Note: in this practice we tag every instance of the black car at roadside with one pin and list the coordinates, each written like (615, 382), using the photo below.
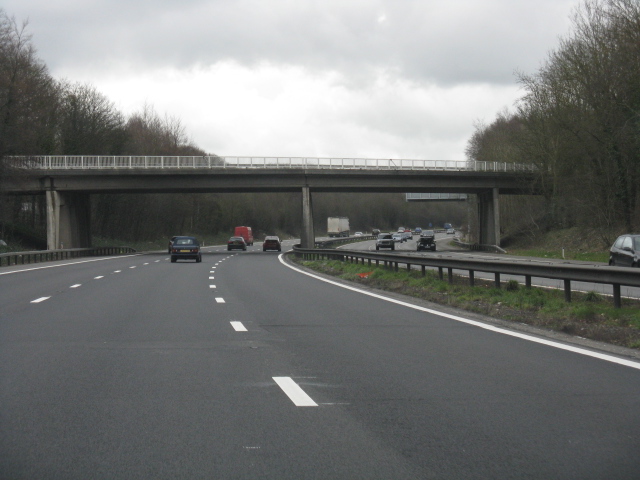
(426, 241)
(625, 251)
(185, 248)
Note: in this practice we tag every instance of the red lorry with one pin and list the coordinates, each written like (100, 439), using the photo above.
(244, 232)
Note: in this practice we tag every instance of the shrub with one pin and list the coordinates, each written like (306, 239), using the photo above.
(512, 286)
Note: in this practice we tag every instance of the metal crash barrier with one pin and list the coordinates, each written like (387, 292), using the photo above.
(566, 272)
(24, 258)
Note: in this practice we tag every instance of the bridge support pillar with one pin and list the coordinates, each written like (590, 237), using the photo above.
(489, 217)
(308, 238)
(68, 220)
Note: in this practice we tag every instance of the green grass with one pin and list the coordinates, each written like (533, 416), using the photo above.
(568, 254)
(588, 315)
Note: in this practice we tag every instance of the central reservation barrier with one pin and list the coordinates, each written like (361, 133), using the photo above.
(614, 276)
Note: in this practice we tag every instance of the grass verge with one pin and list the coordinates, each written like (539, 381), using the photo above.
(589, 315)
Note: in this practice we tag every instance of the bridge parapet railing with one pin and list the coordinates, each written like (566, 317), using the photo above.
(567, 272)
(90, 162)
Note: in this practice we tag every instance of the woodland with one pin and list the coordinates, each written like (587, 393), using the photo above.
(577, 122)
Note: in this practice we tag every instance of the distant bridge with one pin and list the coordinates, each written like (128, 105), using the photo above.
(68, 182)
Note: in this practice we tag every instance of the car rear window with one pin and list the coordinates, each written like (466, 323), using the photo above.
(184, 241)
(384, 236)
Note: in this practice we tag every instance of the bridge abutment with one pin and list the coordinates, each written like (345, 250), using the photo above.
(68, 220)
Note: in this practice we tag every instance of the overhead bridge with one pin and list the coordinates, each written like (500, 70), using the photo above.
(68, 182)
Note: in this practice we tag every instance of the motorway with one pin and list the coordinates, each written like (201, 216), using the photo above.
(242, 367)
(445, 249)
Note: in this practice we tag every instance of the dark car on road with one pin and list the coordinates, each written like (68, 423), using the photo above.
(385, 240)
(236, 243)
(271, 242)
(185, 248)
(625, 251)
(427, 241)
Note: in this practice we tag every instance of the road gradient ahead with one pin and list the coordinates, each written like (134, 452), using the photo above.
(242, 367)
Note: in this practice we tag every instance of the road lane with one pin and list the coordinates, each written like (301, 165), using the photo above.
(141, 374)
(445, 250)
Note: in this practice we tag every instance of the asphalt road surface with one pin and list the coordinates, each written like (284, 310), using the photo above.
(242, 367)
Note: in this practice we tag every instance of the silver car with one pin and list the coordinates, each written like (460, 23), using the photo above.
(385, 240)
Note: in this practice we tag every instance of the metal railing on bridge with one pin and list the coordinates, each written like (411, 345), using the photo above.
(55, 162)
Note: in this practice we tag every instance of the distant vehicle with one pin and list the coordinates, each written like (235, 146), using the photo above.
(236, 243)
(338, 226)
(625, 251)
(406, 236)
(417, 231)
(451, 231)
(427, 241)
(400, 229)
(397, 237)
(385, 240)
(358, 234)
(185, 248)
(447, 226)
(375, 231)
(271, 242)
(245, 233)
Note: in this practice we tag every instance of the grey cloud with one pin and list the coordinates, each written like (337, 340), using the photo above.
(444, 42)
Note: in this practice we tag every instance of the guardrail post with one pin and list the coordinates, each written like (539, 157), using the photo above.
(567, 291)
(497, 280)
(440, 273)
(408, 267)
(472, 279)
(527, 281)
(617, 301)
(450, 274)
(396, 266)
(424, 270)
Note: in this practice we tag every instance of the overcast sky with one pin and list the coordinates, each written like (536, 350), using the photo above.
(329, 78)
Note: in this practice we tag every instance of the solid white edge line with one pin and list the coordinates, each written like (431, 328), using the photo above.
(238, 327)
(294, 392)
(486, 326)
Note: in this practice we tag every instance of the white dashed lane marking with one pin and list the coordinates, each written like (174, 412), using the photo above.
(212, 286)
(220, 300)
(294, 392)
(238, 327)
(76, 285)
(98, 277)
(41, 299)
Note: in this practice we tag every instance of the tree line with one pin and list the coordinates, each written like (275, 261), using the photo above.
(40, 115)
(578, 122)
